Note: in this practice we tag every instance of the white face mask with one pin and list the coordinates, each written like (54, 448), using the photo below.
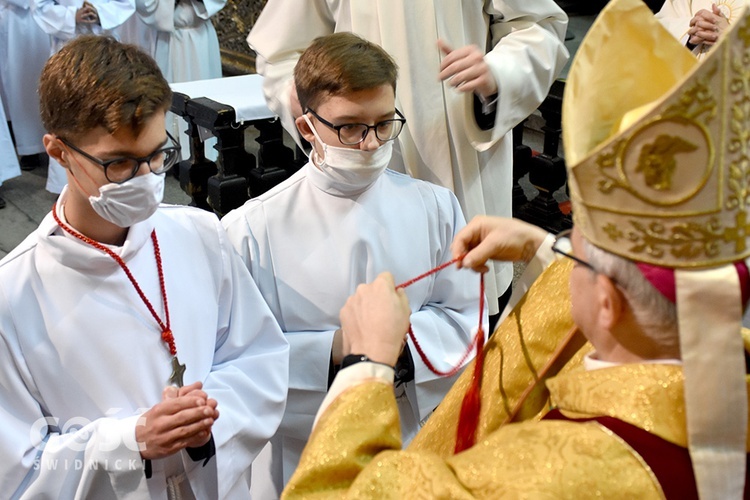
(131, 202)
(352, 167)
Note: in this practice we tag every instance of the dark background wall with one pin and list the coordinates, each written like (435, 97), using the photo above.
(232, 24)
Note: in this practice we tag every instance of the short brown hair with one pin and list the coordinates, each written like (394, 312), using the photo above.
(96, 81)
(339, 64)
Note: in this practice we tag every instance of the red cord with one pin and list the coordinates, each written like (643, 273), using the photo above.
(468, 419)
(166, 331)
(474, 342)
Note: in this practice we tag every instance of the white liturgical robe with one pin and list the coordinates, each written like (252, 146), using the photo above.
(675, 16)
(442, 142)
(9, 167)
(179, 36)
(24, 48)
(81, 353)
(58, 18)
(310, 241)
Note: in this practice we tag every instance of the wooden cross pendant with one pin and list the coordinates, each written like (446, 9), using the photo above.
(178, 370)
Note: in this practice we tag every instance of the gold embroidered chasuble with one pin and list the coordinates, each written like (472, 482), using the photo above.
(516, 356)
(355, 449)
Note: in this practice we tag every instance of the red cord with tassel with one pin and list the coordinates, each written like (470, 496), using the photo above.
(468, 419)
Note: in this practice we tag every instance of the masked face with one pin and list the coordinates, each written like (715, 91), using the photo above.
(130, 202)
(355, 168)
(92, 167)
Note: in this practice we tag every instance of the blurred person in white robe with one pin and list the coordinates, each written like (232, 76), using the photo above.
(179, 35)
(9, 166)
(698, 24)
(24, 48)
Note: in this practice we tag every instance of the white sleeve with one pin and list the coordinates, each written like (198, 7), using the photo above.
(309, 350)
(56, 20)
(527, 56)
(675, 16)
(112, 13)
(279, 43)
(45, 458)
(249, 377)
(446, 323)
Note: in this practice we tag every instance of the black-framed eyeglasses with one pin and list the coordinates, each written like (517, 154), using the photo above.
(564, 246)
(351, 134)
(123, 169)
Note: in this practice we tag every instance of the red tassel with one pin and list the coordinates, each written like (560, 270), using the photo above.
(468, 419)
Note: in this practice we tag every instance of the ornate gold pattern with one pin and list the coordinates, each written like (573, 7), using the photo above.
(744, 34)
(654, 400)
(696, 104)
(354, 450)
(657, 162)
(689, 240)
(739, 126)
(607, 160)
(696, 100)
(514, 354)
(677, 183)
(628, 159)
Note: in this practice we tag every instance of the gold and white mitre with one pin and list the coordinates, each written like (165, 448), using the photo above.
(658, 152)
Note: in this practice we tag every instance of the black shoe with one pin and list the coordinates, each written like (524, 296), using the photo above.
(2, 202)
(30, 162)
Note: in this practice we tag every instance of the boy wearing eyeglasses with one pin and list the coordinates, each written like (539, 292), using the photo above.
(338, 222)
(138, 358)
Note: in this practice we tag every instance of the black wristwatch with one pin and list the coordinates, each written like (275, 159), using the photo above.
(353, 359)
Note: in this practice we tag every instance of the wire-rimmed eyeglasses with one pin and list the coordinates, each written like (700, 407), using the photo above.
(123, 169)
(563, 246)
(351, 134)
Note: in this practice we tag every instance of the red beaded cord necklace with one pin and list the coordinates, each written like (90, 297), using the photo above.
(166, 332)
(468, 419)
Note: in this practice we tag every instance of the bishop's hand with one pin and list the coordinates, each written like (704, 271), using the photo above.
(496, 238)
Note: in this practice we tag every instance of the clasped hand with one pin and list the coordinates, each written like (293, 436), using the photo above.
(87, 14)
(706, 26)
(183, 419)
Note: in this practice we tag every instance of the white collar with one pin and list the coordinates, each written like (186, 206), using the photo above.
(590, 362)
